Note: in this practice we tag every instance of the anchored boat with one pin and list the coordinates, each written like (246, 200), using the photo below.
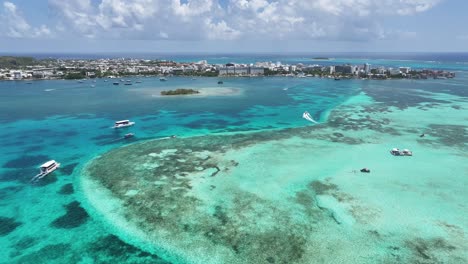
(397, 152)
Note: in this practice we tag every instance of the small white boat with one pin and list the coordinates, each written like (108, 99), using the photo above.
(123, 123)
(406, 152)
(395, 152)
(129, 135)
(46, 168)
(162, 79)
(308, 117)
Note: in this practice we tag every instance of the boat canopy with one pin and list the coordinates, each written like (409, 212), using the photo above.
(122, 122)
(48, 164)
(395, 149)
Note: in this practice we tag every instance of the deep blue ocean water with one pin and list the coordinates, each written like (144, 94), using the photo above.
(70, 122)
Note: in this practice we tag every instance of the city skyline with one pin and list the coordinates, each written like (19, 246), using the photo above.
(232, 26)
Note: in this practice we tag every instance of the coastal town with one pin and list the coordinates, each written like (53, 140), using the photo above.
(27, 68)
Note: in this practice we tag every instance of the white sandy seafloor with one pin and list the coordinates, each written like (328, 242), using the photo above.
(407, 210)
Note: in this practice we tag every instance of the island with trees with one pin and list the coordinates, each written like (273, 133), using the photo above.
(180, 92)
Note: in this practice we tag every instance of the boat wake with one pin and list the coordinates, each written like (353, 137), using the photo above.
(308, 117)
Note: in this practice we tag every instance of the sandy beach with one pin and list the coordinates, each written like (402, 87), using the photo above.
(203, 92)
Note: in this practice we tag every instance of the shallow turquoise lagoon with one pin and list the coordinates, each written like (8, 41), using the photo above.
(304, 170)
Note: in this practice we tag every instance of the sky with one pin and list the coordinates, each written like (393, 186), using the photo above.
(233, 26)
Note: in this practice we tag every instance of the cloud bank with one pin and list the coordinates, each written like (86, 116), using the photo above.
(350, 20)
(14, 25)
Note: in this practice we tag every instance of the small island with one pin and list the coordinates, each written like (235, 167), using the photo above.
(180, 92)
(320, 58)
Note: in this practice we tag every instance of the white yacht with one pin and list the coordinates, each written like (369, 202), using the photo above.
(46, 168)
(123, 123)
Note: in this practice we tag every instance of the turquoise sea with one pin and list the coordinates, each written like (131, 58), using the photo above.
(246, 180)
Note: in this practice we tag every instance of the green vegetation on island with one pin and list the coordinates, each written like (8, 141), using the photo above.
(16, 62)
(180, 92)
(320, 58)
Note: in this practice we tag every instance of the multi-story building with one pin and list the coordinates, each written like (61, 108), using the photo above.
(405, 70)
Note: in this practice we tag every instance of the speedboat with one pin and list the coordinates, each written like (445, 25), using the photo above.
(406, 152)
(220, 82)
(365, 170)
(116, 83)
(162, 79)
(395, 152)
(123, 123)
(129, 135)
(46, 168)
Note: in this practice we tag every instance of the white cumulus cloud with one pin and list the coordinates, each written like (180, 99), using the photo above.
(234, 19)
(14, 25)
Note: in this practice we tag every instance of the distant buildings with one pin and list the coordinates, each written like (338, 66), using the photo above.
(81, 68)
(231, 69)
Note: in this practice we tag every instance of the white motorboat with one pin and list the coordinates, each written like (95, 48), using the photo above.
(123, 123)
(395, 152)
(46, 168)
(406, 152)
(306, 115)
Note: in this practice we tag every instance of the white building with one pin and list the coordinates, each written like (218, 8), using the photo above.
(256, 70)
(405, 69)
(367, 68)
(16, 75)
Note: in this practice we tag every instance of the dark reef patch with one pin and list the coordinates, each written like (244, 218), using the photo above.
(23, 244)
(208, 124)
(69, 168)
(106, 137)
(8, 225)
(401, 97)
(111, 248)
(323, 188)
(4, 192)
(449, 135)
(34, 148)
(151, 118)
(74, 217)
(20, 175)
(46, 254)
(26, 161)
(69, 133)
(67, 189)
(283, 123)
(431, 251)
